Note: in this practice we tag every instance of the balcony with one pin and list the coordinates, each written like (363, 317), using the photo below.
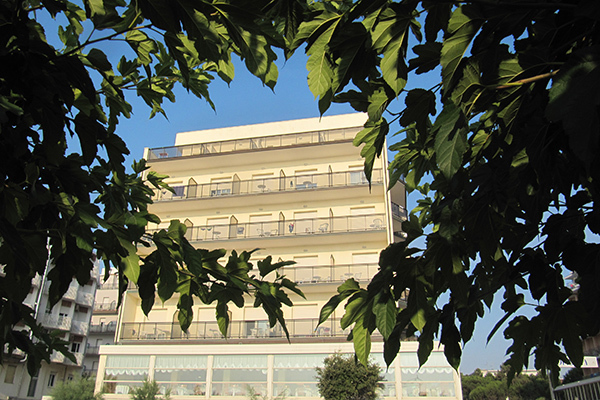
(103, 328)
(57, 322)
(57, 357)
(329, 273)
(253, 144)
(270, 185)
(251, 330)
(80, 327)
(286, 228)
(106, 307)
(78, 360)
(71, 293)
(85, 299)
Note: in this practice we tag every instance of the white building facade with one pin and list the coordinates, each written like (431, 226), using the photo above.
(71, 318)
(296, 190)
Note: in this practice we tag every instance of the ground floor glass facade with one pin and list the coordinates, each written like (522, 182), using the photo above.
(282, 372)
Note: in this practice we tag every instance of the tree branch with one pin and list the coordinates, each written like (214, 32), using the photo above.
(525, 81)
(109, 37)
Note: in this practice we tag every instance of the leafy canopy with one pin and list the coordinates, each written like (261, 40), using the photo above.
(73, 204)
(343, 377)
(78, 389)
(503, 150)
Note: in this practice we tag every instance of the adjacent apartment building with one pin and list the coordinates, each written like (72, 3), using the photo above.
(296, 190)
(71, 317)
(104, 322)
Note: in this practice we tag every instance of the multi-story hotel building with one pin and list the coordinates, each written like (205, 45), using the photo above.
(71, 317)
(296, 190)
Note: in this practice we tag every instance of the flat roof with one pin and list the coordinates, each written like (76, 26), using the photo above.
(271, 128)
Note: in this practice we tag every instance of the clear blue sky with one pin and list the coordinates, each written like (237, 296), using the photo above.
(247, 101)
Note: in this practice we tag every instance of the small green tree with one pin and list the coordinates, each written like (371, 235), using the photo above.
(148, 391)
(79, 389)
(344, 378)
(573, 375)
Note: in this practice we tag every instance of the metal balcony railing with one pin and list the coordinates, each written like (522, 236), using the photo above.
(584, 389)
(112, 306)
(104, 328)
(297, 328)
(329, 273)
(269, 185)
(109, 285)
(399, 212)
(286, 228)
(277, 141)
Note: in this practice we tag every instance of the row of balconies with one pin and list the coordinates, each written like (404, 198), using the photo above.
(105, 307)
(329, 273)
(269, 185)
(76, 294)
(65, 323)
(286, 228)
(103, 328)
(272, 142)
(297, 328)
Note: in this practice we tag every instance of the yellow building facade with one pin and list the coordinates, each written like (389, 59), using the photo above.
(296, 190)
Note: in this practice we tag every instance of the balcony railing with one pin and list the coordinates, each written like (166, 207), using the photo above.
(329, 273)
(104, 328)
(109, 285)
(229, 146)
(60, 322)
(112, 306)
(269, 185)
(399, 212)
(584, 389)
(297, 328)
(85, 299)
(286, 228)
(80, 327)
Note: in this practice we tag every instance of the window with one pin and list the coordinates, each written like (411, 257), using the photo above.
(66, 304)
(83, 310)
(51, 379)
(9, 377)
(75, 347)
(232, 374)
(294, 374)
(183, 374)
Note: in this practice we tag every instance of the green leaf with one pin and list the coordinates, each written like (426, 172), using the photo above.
(462, 28)
(385, 316)
(130, 264)
(362, 341)
(428, 57)
(142, 45)
(222, 312)
(450, 140)
(574, 98)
